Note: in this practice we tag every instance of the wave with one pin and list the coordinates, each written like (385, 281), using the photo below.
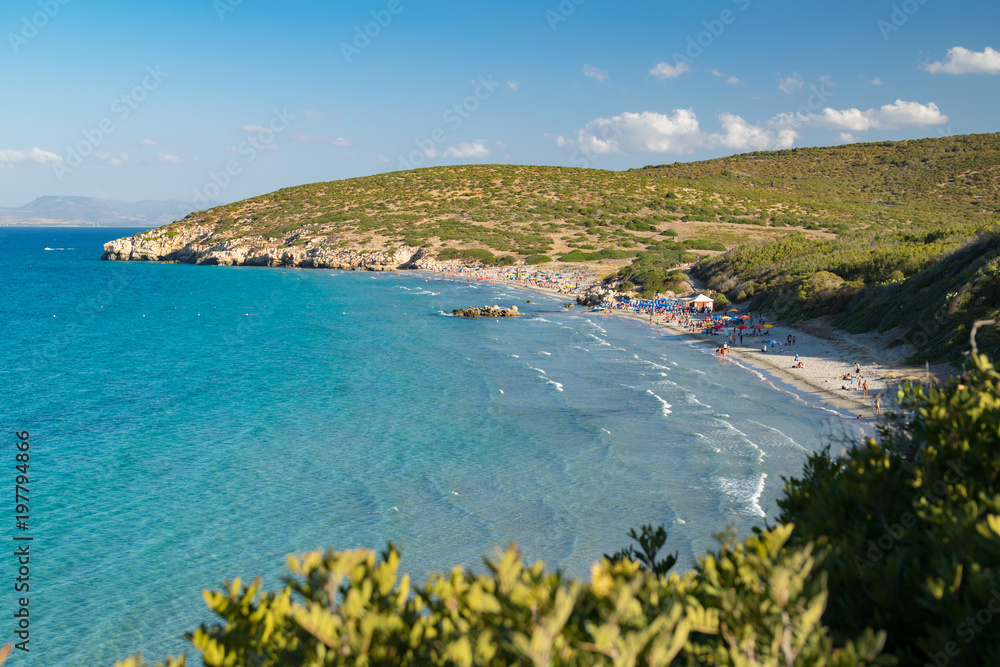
(747, 492)
(558, 385)
(664, 406)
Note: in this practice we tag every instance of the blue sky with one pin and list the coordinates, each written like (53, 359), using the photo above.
(227, 99)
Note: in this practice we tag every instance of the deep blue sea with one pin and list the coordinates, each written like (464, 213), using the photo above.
(192, 424)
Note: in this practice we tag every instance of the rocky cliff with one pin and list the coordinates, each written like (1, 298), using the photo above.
(199, 245)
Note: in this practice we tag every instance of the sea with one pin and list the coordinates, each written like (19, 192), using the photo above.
(192, 424)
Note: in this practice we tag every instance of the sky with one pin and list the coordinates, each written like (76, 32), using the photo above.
(220, 100)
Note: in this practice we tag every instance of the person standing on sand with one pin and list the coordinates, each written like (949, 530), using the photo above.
(878, 404)
(864, 387)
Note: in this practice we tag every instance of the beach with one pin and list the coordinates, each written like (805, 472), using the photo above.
(828, 355)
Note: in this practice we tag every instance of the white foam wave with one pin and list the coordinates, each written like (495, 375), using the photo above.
(600, 340)
(664, 406)
(548, 354)
(746, 492)
(747, 438)
(558, 385)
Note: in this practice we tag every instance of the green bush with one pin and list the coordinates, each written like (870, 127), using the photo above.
(532, 260)
(751, 604)
(908, 529)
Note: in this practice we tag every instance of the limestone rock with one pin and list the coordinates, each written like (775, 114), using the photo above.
(488, 311)
(198, 245)
(596, 294)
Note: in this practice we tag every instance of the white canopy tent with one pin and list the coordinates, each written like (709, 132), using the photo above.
(703, 303)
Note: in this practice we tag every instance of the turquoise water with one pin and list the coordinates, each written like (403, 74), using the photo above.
(192, 424)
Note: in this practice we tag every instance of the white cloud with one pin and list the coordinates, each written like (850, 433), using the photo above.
(667, 71)
(645, 132)
(255, 128)
(741, 135)
(145, 143)
(169, 158)
(888, 117)
(312, 113)
(651, 132)
(963, 61)
(113, 160)
(477, 149)
(732, 80)
(876, 81)
(310, 138)
(790, 84)
(384, 160)
(513, 85)
(595, 73)
(8, 158)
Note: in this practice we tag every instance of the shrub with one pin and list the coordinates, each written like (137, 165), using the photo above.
(907, 529)
(532, 260)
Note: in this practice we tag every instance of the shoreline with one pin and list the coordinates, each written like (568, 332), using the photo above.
(826, 358)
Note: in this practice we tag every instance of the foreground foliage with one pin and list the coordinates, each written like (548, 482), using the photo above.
(909, 529)
(755, 603)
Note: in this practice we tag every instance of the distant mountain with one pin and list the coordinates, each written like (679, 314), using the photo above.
(52, 211)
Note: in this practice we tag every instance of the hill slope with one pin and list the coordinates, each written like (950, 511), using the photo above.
(808, 231)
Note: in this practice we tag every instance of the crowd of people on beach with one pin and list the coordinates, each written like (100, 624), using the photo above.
(736, 328)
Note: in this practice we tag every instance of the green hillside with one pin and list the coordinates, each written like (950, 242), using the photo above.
(810, 231)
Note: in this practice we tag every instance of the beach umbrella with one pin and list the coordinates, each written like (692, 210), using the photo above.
(768, 326)
(757, 326)
(741, 327)
(744, 317)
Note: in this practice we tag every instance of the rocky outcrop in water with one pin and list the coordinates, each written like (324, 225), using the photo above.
(596, 294)
(488, 311)
(198, 245)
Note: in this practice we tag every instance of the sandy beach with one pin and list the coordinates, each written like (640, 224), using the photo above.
(828, 354)
(828, 357)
